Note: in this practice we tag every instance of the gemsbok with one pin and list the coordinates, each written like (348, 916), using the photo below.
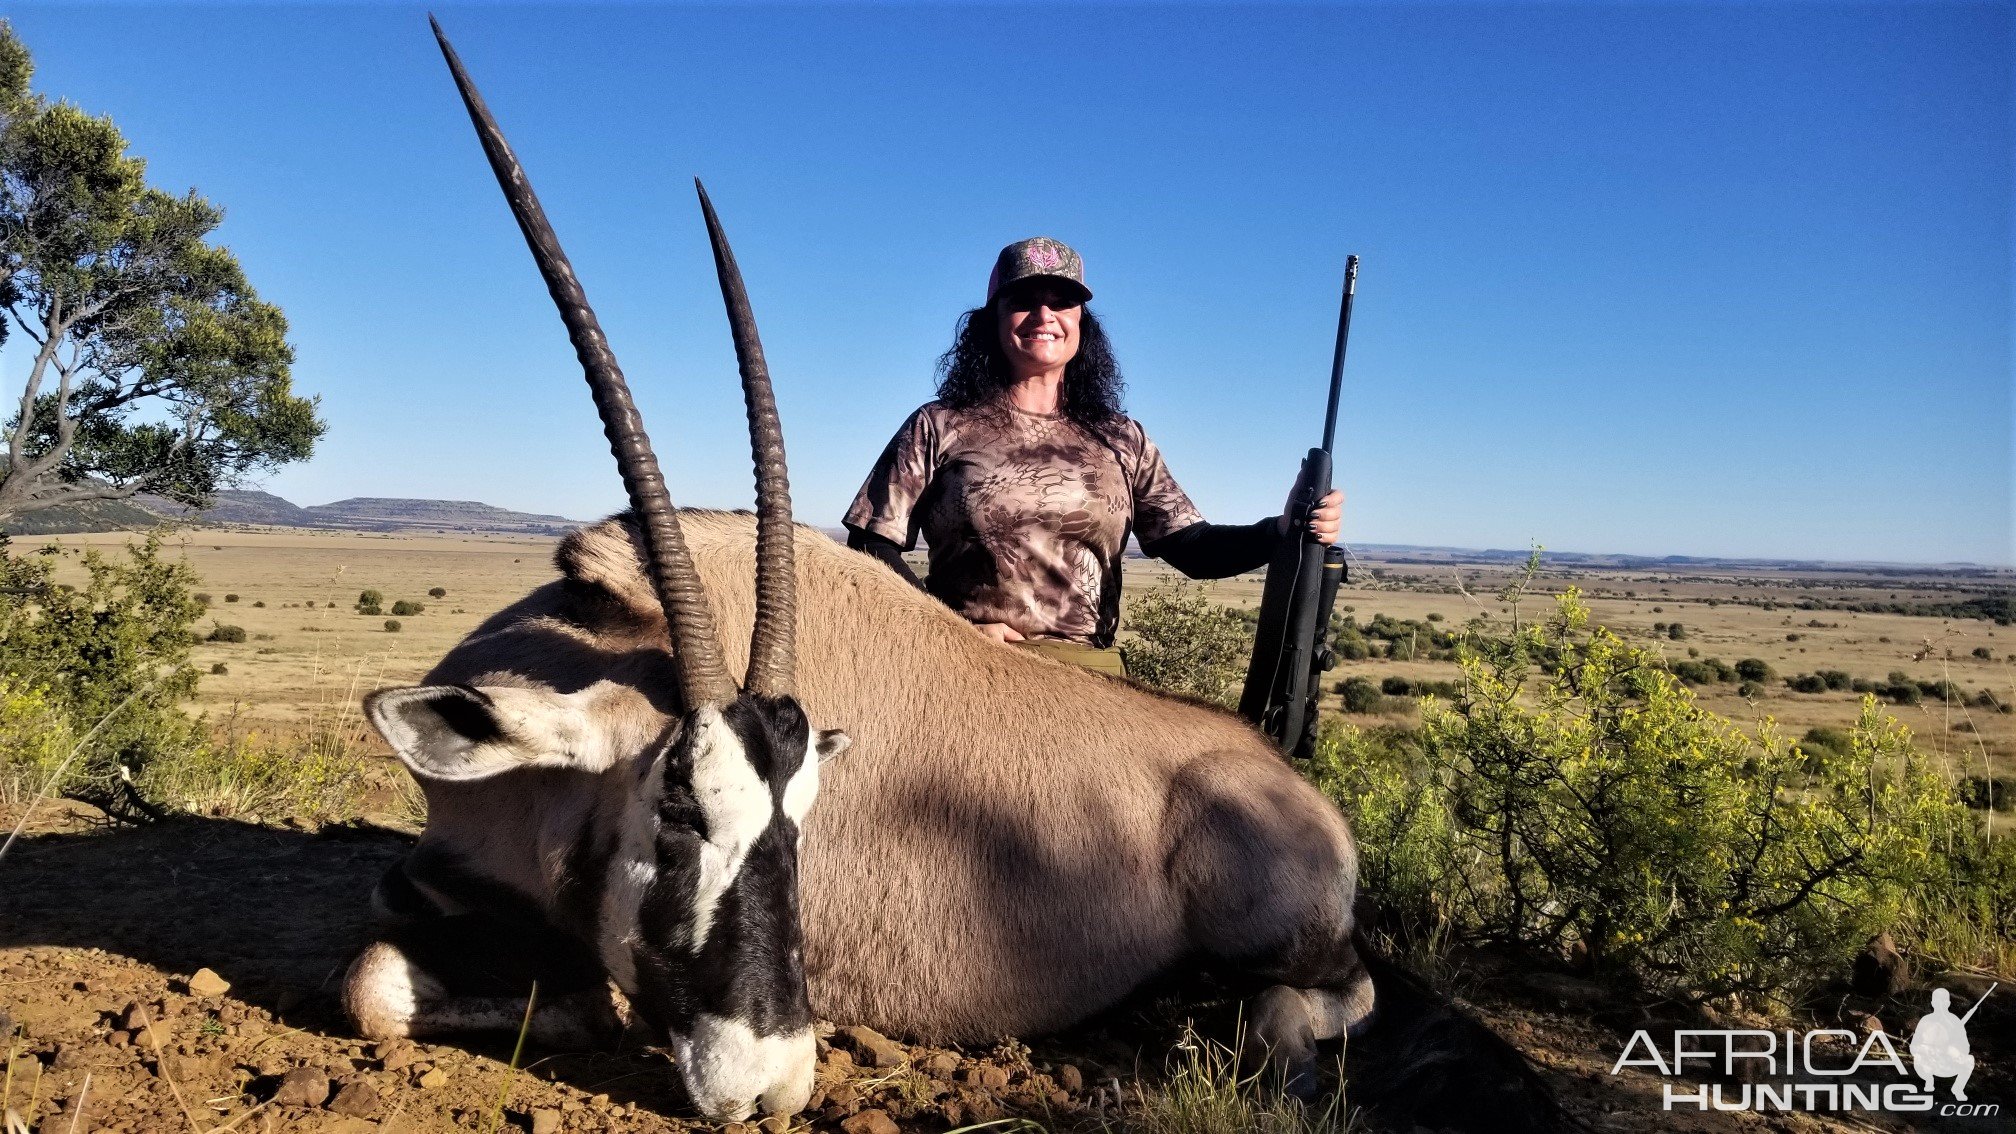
(1010, 846)
(668, 860)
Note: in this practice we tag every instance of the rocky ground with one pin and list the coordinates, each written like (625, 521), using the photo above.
(179, 977)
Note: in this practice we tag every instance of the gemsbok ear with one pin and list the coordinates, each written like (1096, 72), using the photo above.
(458, 732)
(832, 742)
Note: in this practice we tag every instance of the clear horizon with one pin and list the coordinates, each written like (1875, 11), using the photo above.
(1726, 281)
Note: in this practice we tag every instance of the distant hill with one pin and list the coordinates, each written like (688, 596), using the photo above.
(364, 513)
(382, 513)
(102, 516)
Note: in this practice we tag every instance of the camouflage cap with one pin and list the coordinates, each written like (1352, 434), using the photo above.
(1034, 257)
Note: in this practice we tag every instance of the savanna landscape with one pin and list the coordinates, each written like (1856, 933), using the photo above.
(178, 944)
(1596, 803)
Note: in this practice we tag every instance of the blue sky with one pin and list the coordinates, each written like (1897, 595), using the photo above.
(1713, 280)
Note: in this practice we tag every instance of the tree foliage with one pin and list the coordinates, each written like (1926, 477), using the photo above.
(156, 367)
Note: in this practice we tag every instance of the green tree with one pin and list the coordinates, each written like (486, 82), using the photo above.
(156, 367)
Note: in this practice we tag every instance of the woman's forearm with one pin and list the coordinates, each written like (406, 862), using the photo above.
(1218, 551)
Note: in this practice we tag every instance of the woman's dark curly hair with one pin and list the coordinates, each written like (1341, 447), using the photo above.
(975, 371)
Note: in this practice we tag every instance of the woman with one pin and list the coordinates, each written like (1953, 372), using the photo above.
(1026, 479)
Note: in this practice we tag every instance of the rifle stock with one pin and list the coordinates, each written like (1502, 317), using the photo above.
(1291, 647)
(1293, 634)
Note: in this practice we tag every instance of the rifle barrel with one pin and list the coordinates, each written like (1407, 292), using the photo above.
(1978, 1003)
(1337, 358)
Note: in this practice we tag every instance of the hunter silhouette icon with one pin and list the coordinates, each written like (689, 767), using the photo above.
(1939, 1043)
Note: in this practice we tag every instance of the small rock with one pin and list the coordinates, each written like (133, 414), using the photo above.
(842, 1094)
(545, 1122)
(839, 1062)
(775, 1124)
(134, 1017)
(356, 1098)
(1070, 1078)
(303, 1086)
(940, 1065)
(1868, 1024)
(434, 1077)
(870, 1047)
(394, 1055)
(206, 983)
(1880, 970)
(871, 1122)
(993, 1077)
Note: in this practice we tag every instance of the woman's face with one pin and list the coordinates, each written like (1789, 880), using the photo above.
(1039, 326)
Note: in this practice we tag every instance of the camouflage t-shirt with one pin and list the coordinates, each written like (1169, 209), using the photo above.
(1026, 515)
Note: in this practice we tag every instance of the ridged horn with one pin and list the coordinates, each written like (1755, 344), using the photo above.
(772, 649)
(703, 678)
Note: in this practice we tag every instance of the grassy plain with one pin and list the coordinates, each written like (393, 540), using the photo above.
(1720, 623)
(305, 658)
(308, 654)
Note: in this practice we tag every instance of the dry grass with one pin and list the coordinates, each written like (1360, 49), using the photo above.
(1204, 1093)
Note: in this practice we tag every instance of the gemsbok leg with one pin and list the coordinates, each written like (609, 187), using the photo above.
(1269, 882)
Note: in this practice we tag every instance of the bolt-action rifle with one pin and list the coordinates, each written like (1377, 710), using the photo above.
(1291, 650)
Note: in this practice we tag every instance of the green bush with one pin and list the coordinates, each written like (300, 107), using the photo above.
(230, 598)
(34, 739)
(1361, 696)
(1754, 670)
(1676, 632)
(1835, 679)
(392, 626)
(219, 668)
(1592, 801)
(118, 641)
(403, 607)
(437, 592)
(225, 633)
(1184, 643)
(1396, 686)
(370, 598)
(1807, 683)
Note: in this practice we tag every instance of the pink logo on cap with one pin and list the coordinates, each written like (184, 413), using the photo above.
(1046, 257)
